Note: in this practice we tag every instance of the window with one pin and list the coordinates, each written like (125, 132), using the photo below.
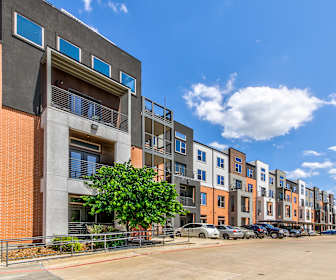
(249, 172)
(294, 212)
(180, 169)
(294, 199)
(201, 155)
(82, 164)
(221, 220)
(288, 211)
(263, 191)
(203, 198)
(220, 180)
(288, 197)
(180, 135)
(239, 184)
(128, 81)
(85, 144)
(28, 30)
(180, 146)
(221, 201)
(294, 189)
(201, 175)
(101, 66)
(68, 49)
(302, 189)
(281, 182)
(238, 167)
(250, 188)
(203, 219)
(220, 162)
(269, 208)
(271, 180)
(271, 193)
(238, 159)
(288, 186)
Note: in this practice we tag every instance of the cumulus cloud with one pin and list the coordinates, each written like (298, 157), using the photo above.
(117, 7)
(332, 148)
(318, 165)
(218, 146)
(332, 171)
(300, 174)
(87, 5)
(257, 113)
(311, 153)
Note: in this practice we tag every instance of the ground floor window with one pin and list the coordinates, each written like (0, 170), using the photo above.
(204, 219)
(221, 220)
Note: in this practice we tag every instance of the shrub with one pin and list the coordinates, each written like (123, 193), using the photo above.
(68, 243)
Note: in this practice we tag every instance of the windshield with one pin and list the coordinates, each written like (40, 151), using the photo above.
(210, 226)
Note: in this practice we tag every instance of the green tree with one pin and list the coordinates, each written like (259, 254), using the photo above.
(132, 195)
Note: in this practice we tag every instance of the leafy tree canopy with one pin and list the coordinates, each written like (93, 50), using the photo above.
(132, 195)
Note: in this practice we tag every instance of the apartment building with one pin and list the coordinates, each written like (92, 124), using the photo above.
(251, 183)
(66, 112)
(265, 192)
(211, 169)
(241, 197)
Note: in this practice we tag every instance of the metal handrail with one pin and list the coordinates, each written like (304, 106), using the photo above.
(78, 105)
(78, 169)
(187, 201)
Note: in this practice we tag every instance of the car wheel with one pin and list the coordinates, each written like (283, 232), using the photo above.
(201, 235)
(247, 237)
(274, 235)
(226, 236)
(178, 234)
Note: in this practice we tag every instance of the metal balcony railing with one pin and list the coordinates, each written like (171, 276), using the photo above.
(78, 169)
(187, 201)
(158, 144)
(78, 105)
(183, 172)
(244, 209)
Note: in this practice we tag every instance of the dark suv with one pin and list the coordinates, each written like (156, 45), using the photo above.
(259, 231)
(272, 231)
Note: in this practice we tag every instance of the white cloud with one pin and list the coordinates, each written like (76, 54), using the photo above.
(258, 113)
(278, 146)
(332, 148)
(300, 174)
(218, 146)
(87, 5)
(311, 153)
(332, 171)
(317, 165)
(117, 7)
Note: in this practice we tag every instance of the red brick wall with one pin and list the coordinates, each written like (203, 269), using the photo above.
(21, 160)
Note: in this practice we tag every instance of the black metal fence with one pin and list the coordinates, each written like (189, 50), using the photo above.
(45, 247)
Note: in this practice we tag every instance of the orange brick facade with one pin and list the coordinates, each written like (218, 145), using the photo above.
(21, 152)
(136, 157)
(211, 210)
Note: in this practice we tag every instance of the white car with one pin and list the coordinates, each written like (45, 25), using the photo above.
(198, 230)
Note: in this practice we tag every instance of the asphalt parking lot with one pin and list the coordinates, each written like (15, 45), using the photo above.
(290, 258)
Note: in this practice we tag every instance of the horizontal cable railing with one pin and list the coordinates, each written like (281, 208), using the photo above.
(78, 105)
(187, 201)
(158, 144)
(79, 169)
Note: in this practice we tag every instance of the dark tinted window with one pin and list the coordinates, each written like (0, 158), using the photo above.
(210, 226)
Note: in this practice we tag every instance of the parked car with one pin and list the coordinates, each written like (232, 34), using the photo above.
(259, 231)
(312, 233)
(292, 232)
(286, 232)
(200, 230)
(329, 232)
(228, 232)
(248, 233)
(272, 231)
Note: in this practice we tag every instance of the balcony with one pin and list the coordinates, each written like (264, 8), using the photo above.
(79, 169)
(85, 108)
(157, 112)
(187, 201)
(158, 144)
(183, 172)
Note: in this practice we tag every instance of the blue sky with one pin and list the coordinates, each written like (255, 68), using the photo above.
(255, 75)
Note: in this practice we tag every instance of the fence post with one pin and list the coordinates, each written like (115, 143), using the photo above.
(105, 241)
(6, 253)
(188, 235)
(91, 242)
(72, 244)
